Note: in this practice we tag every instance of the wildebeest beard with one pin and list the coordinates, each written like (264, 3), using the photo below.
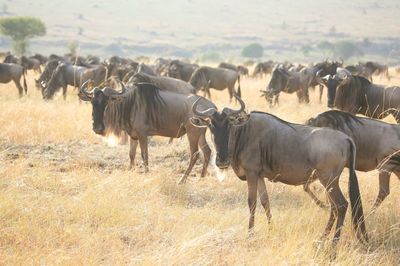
(144, 99)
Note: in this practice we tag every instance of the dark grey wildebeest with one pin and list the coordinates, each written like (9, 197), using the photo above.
(263, 68)
(67, 74)
(31, 63)
(260, 145)
(373, 68)
(144, 110)
(13, 72)
(357, 95)
(206, 77)
(243, 71)
(181, 70)
(377, 143)
(47, 72)
(283, 80)
(164, 83)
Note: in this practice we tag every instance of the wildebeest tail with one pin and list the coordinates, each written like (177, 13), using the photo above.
(23, 75)
(357, 213)
(239, 92)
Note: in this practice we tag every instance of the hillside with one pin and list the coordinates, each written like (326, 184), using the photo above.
(192, 28)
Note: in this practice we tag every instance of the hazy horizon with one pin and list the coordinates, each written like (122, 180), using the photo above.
(192, 27)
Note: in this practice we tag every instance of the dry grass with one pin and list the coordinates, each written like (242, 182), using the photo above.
(67, 198)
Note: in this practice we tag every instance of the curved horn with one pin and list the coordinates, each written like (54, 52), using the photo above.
(83, 91)
(229, 111)
(242, 106)
(123, 87)
(207, 113)
(112, 93)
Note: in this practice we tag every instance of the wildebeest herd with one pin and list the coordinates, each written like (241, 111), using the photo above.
(141, 100)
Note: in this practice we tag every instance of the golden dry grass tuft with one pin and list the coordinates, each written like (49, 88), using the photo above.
(68, 198)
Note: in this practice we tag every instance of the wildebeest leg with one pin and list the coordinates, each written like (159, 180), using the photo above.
(306, 95)
(132, 151)
(19, 87)
(64, 92)
(206, 153)
(263, 194)
(321, 91)
(193, 137)
(384, 188)
(339, 205)
(170, 140)
(276, 99)
(144, 151)
(307, 189)
(252, 180)
(209, 93)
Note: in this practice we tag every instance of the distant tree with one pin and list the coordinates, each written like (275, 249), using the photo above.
(73, 48)
(306, 49)
(253, 50)
(20, 30)
(332, 30)
(346, 49)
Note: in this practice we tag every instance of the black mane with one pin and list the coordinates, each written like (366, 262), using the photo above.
(289, 124)
(144, 97)
(340, 120)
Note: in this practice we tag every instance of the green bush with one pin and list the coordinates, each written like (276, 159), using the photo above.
(253, 50)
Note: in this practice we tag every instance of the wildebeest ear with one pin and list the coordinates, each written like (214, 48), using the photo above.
(239, 119)
(199, 122)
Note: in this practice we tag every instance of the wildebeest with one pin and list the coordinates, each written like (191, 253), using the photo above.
(13, 72)
(377, 143)
(48, 70)
(357, 95)
(164, 83)
(261, 145)
(144, 110)
(143, 68)
(67, 74)
(31, 63)
(42, 59)
(11, 59)
(181, 70)
(283, 80)
(263, 68)
(161, 66)
(206, 77)
(374, 68)
(244, 71)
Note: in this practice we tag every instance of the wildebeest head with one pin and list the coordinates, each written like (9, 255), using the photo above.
(99, 98)
(199, 80)
(220, 124)
(49, 69)
(331, 83)
(56, 81)
(277, 83)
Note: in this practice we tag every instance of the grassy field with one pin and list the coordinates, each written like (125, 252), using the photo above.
(67, 198)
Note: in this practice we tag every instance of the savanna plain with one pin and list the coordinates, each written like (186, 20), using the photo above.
(68, 198)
